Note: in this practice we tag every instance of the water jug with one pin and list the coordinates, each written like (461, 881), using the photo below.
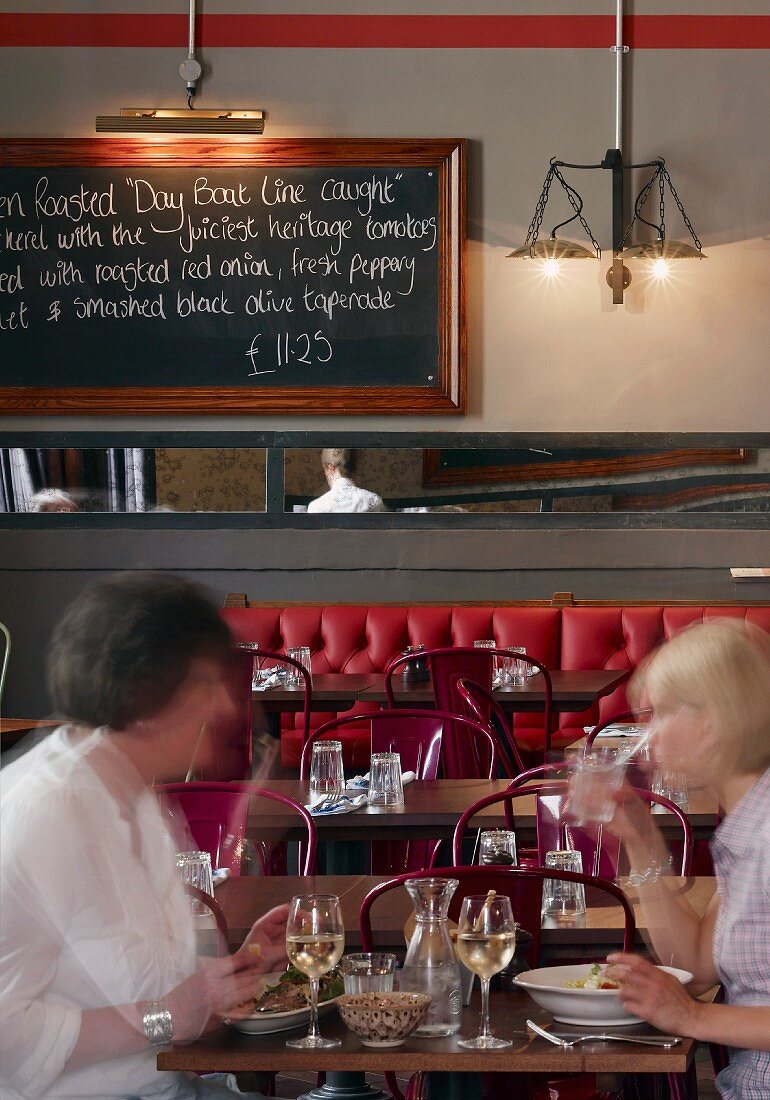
(431, 965)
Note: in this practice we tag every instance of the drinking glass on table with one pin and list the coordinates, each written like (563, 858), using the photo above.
(562, 898)
(385, 785)
(368, 972)
(315, 940)
(486, 941)
(671, 785)
(593, 781)
(195, 870)
(301, 655)
(327, 775)
(497, 668)
(518, 671)
(498, 847)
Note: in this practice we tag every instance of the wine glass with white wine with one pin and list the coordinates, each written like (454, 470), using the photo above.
(486, 941)
(315, 940)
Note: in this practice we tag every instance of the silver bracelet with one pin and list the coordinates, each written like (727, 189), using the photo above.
(652, 873)
(157, 1023)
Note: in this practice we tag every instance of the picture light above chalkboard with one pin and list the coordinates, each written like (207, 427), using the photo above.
(207, 276)
(161, 120)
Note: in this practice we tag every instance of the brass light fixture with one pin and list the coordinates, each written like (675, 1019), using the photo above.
(164, 120)
(157, 120)
(660, 251)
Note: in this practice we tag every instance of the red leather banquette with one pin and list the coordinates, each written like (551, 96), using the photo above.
(359, 638)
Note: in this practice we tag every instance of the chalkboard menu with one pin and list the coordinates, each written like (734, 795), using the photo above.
(197, 276)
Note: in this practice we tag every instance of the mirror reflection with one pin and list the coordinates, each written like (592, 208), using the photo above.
(173, 479)
(587, 479)
(335, 479)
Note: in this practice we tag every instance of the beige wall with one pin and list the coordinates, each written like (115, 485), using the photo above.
(217, 479)
(691, 355)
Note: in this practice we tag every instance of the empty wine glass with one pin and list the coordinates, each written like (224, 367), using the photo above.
(315, 940)
(486, 941)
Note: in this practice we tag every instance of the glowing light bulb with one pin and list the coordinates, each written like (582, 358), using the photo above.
(660, 269)
(551, 267)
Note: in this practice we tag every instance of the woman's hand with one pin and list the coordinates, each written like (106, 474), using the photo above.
(266, 942)
(655, 996)
(217, 989)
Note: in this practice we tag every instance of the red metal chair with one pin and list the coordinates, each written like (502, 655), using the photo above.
(217, 814)
(482, 705)
(600, 853)
(514, 882)
(453, 663)
(417, 736)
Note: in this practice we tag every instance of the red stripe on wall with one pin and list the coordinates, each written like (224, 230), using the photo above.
(647, 32)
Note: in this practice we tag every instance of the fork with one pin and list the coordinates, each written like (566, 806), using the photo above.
(664, 1041)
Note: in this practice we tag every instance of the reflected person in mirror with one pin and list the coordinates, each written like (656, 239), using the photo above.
(52, 500)
(97, 941)
(709, 688)
(344, 495)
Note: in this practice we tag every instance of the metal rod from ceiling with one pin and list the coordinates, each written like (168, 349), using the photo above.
(191, 30)
(619, 51)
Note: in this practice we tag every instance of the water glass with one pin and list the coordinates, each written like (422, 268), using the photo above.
(256, 673)
(560, 897)
(497, 669)
(327, 776)
(368, 972)
(385, 786)
(516, 671)
(195, 870)
(671, 785)
(301, 654)
(498, 846)
(593, 781)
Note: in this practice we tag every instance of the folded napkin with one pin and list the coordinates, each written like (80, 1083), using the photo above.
(619, 730)
(274, 679)
(361, 782)
(345, 804)
(219, 876)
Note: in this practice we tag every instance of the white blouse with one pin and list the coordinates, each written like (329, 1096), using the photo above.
(93, 914)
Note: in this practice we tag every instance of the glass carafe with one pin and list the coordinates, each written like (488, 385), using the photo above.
(431, 965)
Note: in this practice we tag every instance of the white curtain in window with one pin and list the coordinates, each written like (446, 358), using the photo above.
(22, 487)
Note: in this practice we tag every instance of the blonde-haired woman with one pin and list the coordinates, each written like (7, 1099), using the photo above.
(709, 688)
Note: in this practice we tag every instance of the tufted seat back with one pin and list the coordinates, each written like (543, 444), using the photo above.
(362, 638)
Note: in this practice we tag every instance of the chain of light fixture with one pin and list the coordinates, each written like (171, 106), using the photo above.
(662, 178)
(576, 202)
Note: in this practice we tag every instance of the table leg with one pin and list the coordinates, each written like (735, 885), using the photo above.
(345, 1086)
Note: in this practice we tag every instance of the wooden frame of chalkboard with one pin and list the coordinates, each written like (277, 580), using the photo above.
(439, 345)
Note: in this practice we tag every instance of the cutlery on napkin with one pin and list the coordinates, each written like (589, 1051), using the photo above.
(345, 804)
(219, 876)
(361, 782)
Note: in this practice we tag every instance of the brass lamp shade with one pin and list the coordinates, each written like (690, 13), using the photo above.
(664, 250)
(553, 249)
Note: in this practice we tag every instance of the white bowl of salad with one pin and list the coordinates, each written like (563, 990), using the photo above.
(583, 993)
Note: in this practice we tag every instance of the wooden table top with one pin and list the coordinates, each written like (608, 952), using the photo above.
(14, 729)
(244, 899)
(227, 1050)
(336, 690)
(430, 810)
(571, 690)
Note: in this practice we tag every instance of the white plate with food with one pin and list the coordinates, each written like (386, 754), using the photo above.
(284, 1002)
(583, 993)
